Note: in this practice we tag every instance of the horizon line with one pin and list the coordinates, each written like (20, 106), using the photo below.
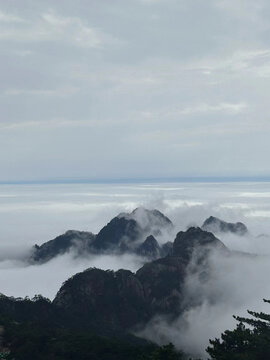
(220, 179)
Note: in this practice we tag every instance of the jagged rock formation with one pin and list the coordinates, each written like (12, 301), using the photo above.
(78, 240)
(195, 238)
(124, 233)
(136, 232)
(112, 303)
(216, 225)
(149, 248)
(121, 300)
(164, 278)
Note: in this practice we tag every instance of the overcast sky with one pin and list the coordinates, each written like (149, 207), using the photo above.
(134, 88)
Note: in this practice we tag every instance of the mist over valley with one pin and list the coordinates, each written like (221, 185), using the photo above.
(128, 226)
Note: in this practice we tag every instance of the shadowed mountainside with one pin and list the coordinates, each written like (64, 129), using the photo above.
(115, 304)
(121, 299)
(109, 301)
(104, 304)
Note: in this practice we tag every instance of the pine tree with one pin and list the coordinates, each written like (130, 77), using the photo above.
(249, 341)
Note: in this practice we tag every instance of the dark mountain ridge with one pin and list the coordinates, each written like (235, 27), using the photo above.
(123, 300)
(114, 304)
(79, 241)
(125, 233)
(118, 301)
(136, 233)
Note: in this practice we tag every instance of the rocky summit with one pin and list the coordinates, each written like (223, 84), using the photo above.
(216, 225)
(79, 241)
(195, 238)
(126, 230)
(150, 248)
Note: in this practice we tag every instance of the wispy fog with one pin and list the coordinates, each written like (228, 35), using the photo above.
(36, 213)
(236, 284)
(20, 280)
(32, 214)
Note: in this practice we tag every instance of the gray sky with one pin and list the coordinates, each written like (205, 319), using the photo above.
(134, 88)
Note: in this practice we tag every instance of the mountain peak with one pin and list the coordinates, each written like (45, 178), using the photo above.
(71, 239)
(149, 248)
(214, 224)
(187, 241)
(126, 229)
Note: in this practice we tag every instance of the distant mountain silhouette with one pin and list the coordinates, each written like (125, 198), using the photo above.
(216, 225)
(125, 233)
(72, 239)
(134, 233)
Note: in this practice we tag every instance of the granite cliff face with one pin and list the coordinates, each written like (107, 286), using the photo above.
(216, 225)
(123, 300)
(104, 299)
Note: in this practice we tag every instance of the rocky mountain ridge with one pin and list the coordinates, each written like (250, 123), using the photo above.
(123, 300)
(136, 233)
(133, 232)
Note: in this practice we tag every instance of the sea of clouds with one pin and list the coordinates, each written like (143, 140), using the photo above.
(33, 214)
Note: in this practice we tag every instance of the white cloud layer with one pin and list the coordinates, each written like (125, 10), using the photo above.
(32, 214)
